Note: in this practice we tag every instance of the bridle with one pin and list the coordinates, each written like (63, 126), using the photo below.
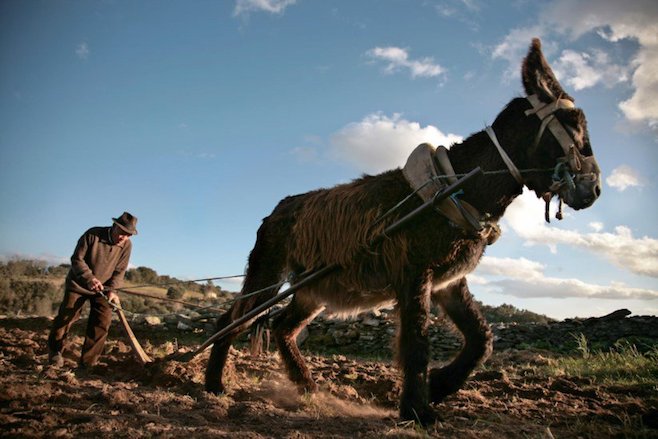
(568, 168)
(428, 170)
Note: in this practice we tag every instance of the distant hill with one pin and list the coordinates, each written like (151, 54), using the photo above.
(509, 314)
(33, 287)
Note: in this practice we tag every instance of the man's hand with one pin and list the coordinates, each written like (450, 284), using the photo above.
(95, 285)
(114, 298)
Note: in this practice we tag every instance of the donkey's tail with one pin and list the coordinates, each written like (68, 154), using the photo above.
(266, 270)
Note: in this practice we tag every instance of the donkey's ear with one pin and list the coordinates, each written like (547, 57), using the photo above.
(538, 77)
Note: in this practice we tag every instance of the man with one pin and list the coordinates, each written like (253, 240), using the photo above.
(98, 264)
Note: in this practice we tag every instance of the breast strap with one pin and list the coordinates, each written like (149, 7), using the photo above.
(428, 170)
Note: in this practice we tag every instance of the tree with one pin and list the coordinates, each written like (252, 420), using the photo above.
(142, 275)
(175, 292)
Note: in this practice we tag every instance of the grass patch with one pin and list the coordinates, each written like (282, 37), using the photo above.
(621, 364)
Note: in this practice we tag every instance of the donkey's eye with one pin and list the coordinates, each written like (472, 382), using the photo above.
(575, 136)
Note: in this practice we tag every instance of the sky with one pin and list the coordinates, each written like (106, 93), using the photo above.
(199, 116)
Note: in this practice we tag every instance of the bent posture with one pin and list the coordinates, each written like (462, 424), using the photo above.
(429, 259)
(99, 262)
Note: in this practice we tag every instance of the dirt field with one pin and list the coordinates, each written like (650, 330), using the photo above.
(358, 398)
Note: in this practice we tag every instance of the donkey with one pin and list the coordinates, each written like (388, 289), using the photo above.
(426, 261)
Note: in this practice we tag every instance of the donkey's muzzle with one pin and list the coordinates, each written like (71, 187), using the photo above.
(583, 196)
(587, 185)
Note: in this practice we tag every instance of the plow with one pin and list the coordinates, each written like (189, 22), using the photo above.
(446, 192)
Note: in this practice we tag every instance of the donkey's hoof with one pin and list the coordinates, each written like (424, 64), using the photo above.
(215, 389)
(442, 384)
(425, 416)
(307, 387)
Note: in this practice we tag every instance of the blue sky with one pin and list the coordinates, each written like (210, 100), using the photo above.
(198, 116)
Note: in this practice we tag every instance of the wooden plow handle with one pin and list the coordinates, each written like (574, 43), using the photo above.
(138, 352)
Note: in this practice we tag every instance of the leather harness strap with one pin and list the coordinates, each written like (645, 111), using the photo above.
(508, 161)
(545, 113)
(428, 170)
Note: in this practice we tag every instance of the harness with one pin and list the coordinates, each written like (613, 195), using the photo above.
(568, 169)
(428, 170)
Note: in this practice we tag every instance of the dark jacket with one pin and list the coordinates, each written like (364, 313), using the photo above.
(95, 256)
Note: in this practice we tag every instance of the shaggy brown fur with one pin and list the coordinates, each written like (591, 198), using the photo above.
(428, 260)
(327, 231)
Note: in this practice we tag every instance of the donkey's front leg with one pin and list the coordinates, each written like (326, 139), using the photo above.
(413, 348)
(458, 304)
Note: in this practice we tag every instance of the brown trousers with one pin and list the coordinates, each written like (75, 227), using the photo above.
(100, 318)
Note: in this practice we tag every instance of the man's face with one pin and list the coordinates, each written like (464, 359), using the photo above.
(119, 235)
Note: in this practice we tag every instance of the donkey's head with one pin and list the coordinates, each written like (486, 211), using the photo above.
(561, 140)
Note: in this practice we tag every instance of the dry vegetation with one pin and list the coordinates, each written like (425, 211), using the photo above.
(519, 394)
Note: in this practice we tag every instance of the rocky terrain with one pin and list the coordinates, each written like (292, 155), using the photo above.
(373, 332)
(512, 396)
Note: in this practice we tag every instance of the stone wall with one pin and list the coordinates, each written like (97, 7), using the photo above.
(374, 333)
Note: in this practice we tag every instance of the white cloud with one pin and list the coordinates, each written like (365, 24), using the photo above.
(379, 142)
(471, 5)
(509, 267)
(563, 288)
(310, 151)
(596, 226)
(514, 47)
(230, 284)
(584, 70)
(82, 51)
(244, 7)
(643, 105)
(623, 177)
(466, 12)
(525, 279)
(305, 154)
(613, 21)
(398, 58)
(638, 255)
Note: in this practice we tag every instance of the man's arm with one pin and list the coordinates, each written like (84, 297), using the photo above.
(79, 266)
(120, 270)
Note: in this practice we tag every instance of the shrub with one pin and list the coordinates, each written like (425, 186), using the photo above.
(142, 275)
(175, 292)
(29, 296)
(22, 267)
(60, 270)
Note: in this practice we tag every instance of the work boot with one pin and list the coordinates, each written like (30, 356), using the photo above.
(55, 359)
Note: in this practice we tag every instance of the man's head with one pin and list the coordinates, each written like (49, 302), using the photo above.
(123, 228)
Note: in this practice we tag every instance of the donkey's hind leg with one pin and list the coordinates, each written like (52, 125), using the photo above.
(255, 280)
(266, 264)
(286, 328)
(457, 302)
(218, 356)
